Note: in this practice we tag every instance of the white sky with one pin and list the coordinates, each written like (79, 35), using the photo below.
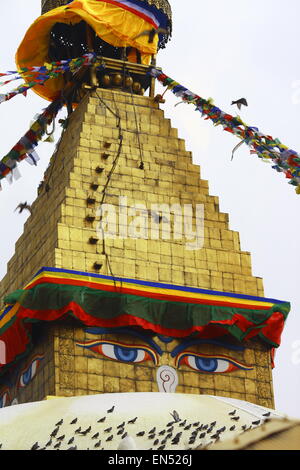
(225, 50)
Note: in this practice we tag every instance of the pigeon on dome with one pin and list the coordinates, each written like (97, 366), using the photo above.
(203, 421)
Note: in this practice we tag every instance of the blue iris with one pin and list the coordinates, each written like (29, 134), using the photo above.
(125, 354)
(207, 365)
(27, 376)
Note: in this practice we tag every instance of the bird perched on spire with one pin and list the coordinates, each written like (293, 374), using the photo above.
(22, 206)
(151, 34)
(240, 102)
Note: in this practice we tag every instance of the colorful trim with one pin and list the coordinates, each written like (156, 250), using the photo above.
(266, 147)
(146, 12)
(106, 302)
(25, 147)
(151, 289)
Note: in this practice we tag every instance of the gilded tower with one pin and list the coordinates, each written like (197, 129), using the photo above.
(131, 278)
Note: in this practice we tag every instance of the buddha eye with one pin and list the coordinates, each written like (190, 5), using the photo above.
(4, 399)
(29, 373)
(121, 352)
(209, 364)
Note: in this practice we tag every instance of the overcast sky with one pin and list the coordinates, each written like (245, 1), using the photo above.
(224, 50)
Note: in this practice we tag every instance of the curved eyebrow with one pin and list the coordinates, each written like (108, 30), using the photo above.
(125, 331)
(193, 342)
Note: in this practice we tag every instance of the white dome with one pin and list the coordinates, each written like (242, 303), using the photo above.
(145, 420)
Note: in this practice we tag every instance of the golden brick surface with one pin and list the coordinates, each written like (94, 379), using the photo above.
(57, 234)
(64, 233)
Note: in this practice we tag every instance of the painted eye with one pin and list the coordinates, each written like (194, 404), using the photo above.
(207, 364)
(210, 364)
(124, 353)
(121, 352)
(29, 373)
(4, 399)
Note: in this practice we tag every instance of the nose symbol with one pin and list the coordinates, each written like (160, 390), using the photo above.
(167, 379)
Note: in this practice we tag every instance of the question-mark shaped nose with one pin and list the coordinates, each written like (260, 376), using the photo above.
(167, 379)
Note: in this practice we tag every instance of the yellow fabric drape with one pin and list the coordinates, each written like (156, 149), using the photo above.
(111, 23)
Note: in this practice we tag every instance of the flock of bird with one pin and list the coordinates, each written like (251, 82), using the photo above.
(178, 432)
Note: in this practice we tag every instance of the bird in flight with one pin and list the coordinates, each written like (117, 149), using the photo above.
(22, 206)
(240, 102)
(176, 417)
(151, 33)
